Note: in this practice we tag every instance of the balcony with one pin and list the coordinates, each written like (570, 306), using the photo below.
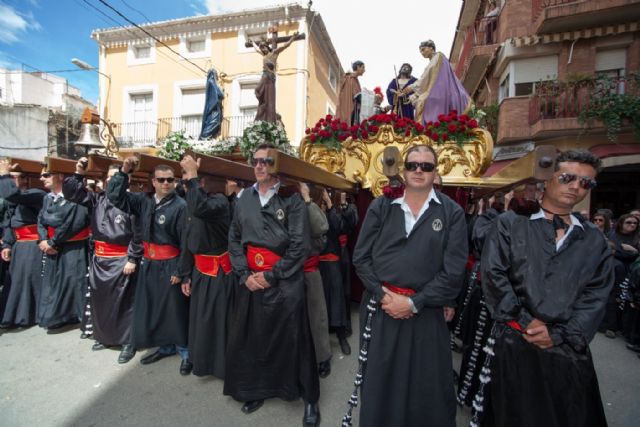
(149, 134)
(554, 16)
(479, 46)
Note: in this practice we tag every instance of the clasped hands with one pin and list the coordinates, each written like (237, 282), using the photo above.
(537, 334)
(257, 281)
(398, 306)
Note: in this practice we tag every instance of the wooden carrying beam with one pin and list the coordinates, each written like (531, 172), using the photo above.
(100, 164)
(295, 169)
(215, 166)
(26, 166)
(148, 163)
(65, 166)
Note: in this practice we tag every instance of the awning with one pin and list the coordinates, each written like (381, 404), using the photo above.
(607, 30)
(613, 150)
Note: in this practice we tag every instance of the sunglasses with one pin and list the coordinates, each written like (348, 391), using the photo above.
(45, 175)
(425, 166)
(630, 223)
(170, 180)
(598, 219)
(262, 161)
(585, 182)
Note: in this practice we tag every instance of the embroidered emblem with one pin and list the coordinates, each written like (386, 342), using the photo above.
(280, 214)
(259, 260)
(62, 203)
(119, 219)
(99, 250)
(436, 224)
(152, 252)
(161, 219)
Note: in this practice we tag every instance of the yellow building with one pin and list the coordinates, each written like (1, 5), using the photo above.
(147, 90)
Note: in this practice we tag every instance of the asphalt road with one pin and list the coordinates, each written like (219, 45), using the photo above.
(56, 380)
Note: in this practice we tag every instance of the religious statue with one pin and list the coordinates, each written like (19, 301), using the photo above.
(266, 90)
(396, 94)
(438, 90)
(349, 95)
(212, 116)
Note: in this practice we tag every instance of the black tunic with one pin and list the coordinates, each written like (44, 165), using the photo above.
(64, 280)
(408, 380)
(112, 292)
(207, 233)
(270, 351)
(23, 282)
(161, 311)
(332, 275)
(525, 277)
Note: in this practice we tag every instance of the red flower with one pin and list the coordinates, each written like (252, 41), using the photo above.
(453, 112)
(452, 127)
(334, 126)
(444, 137)
(435, 137)
(373, 128)
(473, 123)
(407, 132)
(307, 131)
(462, 128)
(354, 128)
(441, 117)
(393, 192)
(464, 117)
(364, 134)
(312, 138)
(419, 127)
(320, 122)
(386, 118)
(436, 125)
(342, 136)
(428, 133)
(446, 119)
(328, 117)
(344, 126)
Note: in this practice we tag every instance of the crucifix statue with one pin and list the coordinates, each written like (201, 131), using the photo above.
(266, 90)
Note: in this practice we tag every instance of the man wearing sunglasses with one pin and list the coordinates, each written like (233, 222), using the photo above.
(270, 352)
(546, 279)
(160, 311)
(411, 255)
(20, 247)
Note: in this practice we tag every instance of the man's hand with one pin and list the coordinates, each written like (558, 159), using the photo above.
(537, 334)
(449, 312)
(81, 166)
(6, 167)
(327, 199)
(44, 247)
(304, 192)
(628, 248)
(129, 268)
(175, 280)
(259, 277)
(129, 164)
(190, 167)
(398, 307)
(6, 254)
(186, 288)
(252, 284)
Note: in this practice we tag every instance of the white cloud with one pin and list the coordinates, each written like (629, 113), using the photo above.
(381, 34)
(14, 23)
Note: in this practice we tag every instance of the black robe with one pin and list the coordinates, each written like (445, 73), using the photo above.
(207, 233)
(64, 274)
(408, 379)
(160, 311)
(112, 293)
(525, 277)
(23, 282)
(270, 351)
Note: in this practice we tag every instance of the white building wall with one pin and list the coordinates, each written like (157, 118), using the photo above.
(24, 131)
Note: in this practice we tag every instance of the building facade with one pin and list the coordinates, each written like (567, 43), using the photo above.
(147, 90)
(538, 65)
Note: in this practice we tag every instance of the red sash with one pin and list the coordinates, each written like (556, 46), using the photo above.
(110, 250)
(160, 252)
(397, 290)
(311, 264)
(343, 240)
(515, 325)
(26, 233)
(470, 261)
(329, 257)
(82, 235)
(261, 259)
(210, 264)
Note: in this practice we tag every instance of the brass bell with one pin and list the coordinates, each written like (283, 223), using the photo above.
(89, 137)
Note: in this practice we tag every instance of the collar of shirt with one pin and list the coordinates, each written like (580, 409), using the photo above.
(574, 223)
(239, 193)
(264, 198)
(54, 196)
(410, 220)
(165, 199)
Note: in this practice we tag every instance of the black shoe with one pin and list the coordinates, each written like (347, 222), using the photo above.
(252, 406)
(97, 346)
(311, 415)
(324, 368)
(6, 325)
(83, 336)
(344, 346)
(154, 357)
(186, 367)
(634, 347)
(126, 354)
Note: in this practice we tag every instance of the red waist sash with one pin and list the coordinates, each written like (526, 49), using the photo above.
(110, 250)
(261, 259)
(160, 252)
(26, 233)
(397, 290)
(311, 264)
(329, 257)
(470, 261)
(515, 325)
(210, 264)
(82, 235)
(343, 240)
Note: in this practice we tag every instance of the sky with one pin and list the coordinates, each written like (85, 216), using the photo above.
(46, 34)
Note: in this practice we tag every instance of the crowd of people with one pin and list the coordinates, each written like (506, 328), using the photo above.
(247, 286)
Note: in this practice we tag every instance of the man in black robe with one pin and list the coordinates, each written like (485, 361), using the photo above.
(160, 310)
(411, 255)
(21, 294)
(63, 231)
(117, 252)
(270, 351)
(546, 279)
(205, 261)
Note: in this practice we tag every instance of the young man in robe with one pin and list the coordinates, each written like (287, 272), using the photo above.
(270, 351)
(349, 95)
(160, 311)
(21, 294)
(411, 255)
(546, 279)
(117, 252)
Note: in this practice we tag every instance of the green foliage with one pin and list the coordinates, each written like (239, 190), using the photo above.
(174, 146)
(487, 117)
(262, 132)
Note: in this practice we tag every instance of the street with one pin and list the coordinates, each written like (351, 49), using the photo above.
(56, 380)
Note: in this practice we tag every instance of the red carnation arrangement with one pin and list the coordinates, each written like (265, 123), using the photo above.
(331, 132)
(452, 127)
(401, 125)
(393, 192)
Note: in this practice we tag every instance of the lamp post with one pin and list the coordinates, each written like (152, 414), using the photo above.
(85, 66)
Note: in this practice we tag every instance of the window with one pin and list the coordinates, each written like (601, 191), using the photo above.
(527, 73)
(140, 54)
(612, 63)
(195, 47)
(191, 111)
(248, 100)
(504, 88)
(333, 79)
(141, 126)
